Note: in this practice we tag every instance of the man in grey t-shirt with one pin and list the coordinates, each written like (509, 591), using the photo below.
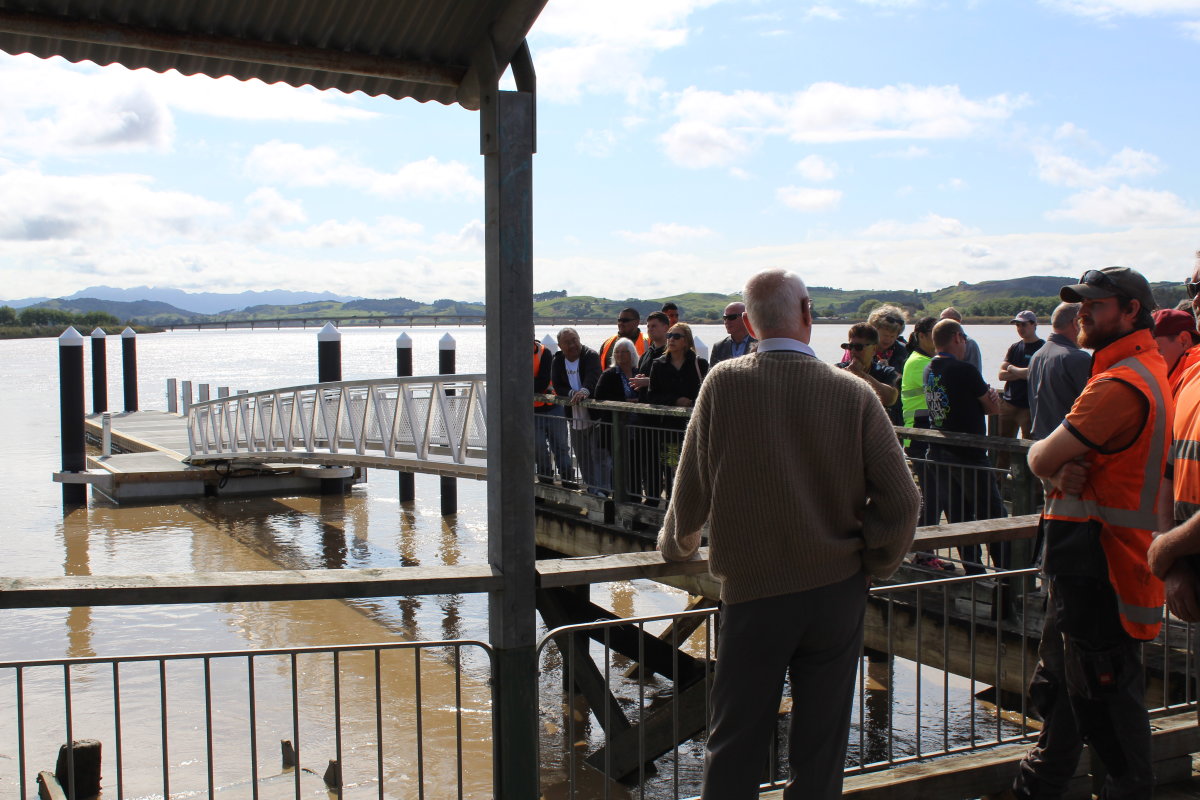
(1057, 372)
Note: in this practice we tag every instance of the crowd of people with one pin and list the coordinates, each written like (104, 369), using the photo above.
(796, 474)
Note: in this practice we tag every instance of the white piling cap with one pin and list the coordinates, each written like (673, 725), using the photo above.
(70, 338)
(549, 343)
(404, 342)
(446, 342)
(701, 347)
(128, 333)
(329, 333)
(99, 333)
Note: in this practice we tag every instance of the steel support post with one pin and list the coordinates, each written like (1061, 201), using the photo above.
(507, 120)
(70, 405)
(404, 369)
(99, 372)
(129, 376)
(447, 350)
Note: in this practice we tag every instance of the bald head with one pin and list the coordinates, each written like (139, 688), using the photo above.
(777, 305)
(950, 312)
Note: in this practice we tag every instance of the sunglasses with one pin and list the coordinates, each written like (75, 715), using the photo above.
(626, 319)
(857, 347)
(1094, 277)
(1192, 288)
(732, 317)
(674, 335)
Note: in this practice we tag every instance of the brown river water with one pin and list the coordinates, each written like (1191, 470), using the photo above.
(369, 527)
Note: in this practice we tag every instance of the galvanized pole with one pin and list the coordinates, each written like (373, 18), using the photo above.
(404, 369)
(70, 404)
(446, 359)
(99, 372)
(129, 368)
(507, 139)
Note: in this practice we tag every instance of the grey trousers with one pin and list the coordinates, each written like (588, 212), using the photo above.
(1088, 687)
(815, 639)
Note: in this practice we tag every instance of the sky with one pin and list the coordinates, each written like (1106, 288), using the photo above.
(682, 146)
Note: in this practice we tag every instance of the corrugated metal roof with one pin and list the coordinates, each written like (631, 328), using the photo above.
(400, 48)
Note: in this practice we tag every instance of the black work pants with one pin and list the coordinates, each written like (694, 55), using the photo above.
(1089, 686)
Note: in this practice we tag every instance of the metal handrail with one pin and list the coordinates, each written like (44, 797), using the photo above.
(434, 419)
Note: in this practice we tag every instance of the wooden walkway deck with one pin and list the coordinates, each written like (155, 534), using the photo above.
(150, 464)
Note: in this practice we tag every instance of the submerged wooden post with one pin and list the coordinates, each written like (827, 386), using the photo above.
(70, 405)
(129, 376)
(507, 143)
(446, 358)
(404, 369)
(78, 768)
(99, 372)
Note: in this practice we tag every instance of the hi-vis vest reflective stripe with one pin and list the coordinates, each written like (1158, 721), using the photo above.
(538, 349)
(606, 349)
(1122, 487)
(1186, 451)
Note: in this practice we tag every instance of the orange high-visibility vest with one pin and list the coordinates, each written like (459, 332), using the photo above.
(640, 343)
(1122, 487)
(1186, 451)
(1188, 359)
(538, 349)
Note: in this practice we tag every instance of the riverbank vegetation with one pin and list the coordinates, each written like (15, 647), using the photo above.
(37, 321)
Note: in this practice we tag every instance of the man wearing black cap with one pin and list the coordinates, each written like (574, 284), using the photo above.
(1105, 462)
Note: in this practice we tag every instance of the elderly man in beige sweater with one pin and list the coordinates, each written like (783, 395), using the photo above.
(798, 473)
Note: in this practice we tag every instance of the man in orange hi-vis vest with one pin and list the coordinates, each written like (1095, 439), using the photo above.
(1105, 462)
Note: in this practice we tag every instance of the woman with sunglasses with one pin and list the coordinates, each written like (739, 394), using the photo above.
(675, 379)
(861, 348)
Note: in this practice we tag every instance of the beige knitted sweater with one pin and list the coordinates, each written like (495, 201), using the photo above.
(797, 469)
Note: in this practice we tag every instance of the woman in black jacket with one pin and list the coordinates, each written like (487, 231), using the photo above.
(675, 379)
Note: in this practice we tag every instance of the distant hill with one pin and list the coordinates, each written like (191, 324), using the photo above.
(191, 302)
(997, 299)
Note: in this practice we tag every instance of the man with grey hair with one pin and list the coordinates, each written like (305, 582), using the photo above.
(797, 472)
(973, 356)
(1057, 372)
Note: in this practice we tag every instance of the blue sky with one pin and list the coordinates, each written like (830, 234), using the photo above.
(683, 145)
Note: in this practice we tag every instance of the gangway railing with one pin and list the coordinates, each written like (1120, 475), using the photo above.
(429, 419)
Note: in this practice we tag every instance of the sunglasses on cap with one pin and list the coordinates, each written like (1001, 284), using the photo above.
(1192, 288)
(674, 335)
(1094, 277)
(856, 346)
(731, 317)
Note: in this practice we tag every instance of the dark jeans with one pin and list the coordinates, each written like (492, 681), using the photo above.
(968, 490)
(815, 639)
(932, 505)
(1088, 686)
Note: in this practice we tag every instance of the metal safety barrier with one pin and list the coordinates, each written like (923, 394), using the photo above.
(425, 419)
(362, 721)
(944, 671)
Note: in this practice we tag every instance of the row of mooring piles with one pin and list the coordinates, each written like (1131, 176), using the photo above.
(71, 396)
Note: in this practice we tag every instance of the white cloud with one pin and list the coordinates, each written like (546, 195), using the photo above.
(99, 208)
(823, 12)
(802, 198)
(597, 143)
(910, 152)
(269, 208)
(1105, 9)
(292, 164)
(606, 48)
(1126, 207)
(1191, 29)
(815, 168)
(953, 185)
(667, 234)
(52, 107)
(715, 128)
(931, 226)
(1062, 170)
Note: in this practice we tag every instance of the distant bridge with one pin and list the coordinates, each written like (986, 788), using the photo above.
(365, 321)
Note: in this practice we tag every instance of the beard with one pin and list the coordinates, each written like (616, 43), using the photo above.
(1097, 338)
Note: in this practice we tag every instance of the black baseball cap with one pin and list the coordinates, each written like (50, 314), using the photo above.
(1097, 284)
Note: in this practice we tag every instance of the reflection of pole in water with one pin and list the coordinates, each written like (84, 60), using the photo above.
(76, 535)
(333, 534)
(451, 603)
(877, 703)
(406, 546)
(360, 530)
